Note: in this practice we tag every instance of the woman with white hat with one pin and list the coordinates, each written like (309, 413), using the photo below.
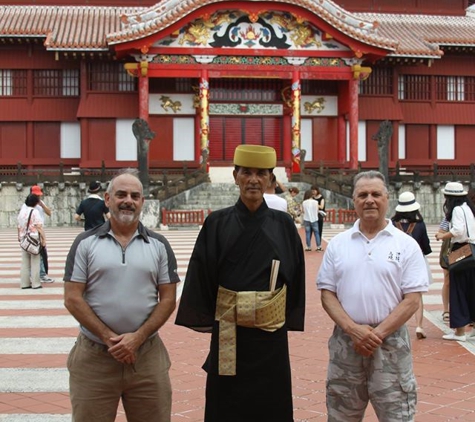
(409, 219)
(460, 213)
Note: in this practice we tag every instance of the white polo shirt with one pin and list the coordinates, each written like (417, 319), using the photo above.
(371, 276)
(275, 202)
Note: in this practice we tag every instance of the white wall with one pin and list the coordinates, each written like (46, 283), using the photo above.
(402, 142)
(125, 142)
(445, 142)
(306, 138)
(184, 139)
(362, 140)
(70, 140)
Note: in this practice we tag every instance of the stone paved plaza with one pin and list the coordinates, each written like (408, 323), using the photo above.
(36, 333)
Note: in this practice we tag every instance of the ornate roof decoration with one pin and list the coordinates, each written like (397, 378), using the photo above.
(233, 28)
(166, 13)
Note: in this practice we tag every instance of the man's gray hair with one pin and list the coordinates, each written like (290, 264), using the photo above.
(370, 174)
(131, 171)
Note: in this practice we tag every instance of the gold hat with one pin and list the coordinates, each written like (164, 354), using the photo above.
(255, 156)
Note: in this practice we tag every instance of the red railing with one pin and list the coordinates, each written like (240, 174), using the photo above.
(346, 216)
(197, 217)
(183, 217)
(340, 216)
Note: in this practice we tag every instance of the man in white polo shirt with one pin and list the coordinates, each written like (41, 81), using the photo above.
(371, 280)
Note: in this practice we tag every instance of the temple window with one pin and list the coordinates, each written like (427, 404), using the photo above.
(13, 82)
(237, 89)
(110, 77)
(455, 88)
(469, 88)
(172, 85)
(414, 87)
(56, 83)
(319, 87)
(380, 82)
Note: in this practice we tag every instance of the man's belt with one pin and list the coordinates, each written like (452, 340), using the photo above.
(263, 310)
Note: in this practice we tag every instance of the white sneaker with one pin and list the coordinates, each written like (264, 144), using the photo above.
(454, 337)
(47, 279)
(420, 333)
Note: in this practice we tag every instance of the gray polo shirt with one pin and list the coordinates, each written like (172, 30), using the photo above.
(121, 283)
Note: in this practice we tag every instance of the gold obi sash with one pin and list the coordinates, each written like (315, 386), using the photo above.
(263, 310)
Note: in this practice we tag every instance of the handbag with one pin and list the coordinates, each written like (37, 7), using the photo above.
(444, 253)
(462, 258)
(29, 242)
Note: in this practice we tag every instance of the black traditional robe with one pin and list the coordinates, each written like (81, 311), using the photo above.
(235, 249)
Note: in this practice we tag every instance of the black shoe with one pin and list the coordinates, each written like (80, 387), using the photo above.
(39, 287)
(29, 287)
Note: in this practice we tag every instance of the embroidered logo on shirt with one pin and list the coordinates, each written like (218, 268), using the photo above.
(394, 256)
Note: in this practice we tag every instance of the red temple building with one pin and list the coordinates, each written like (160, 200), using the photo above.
(299, 75)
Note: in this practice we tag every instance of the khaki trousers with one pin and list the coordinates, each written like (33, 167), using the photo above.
(97, 382)
(30, 270)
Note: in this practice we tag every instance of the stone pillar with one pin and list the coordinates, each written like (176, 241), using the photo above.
(151, 213)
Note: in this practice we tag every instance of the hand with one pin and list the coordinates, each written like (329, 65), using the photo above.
(124, 347)
(439, 236)
(365, 340)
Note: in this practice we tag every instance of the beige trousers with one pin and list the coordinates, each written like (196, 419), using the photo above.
(97, 382)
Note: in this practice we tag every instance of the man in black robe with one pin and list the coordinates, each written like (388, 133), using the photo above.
(248, 365)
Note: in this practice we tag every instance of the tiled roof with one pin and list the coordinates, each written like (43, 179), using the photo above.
(88, 28)
(65, 27)
(422, 35)
(167, 12)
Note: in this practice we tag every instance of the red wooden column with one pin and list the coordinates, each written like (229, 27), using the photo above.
(353, 119)
(296, 96)
(84, 122)
(287, 140)
(30, 141)
(143, 91)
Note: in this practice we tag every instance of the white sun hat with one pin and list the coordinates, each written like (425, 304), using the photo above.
(454, 189)
(407, 202)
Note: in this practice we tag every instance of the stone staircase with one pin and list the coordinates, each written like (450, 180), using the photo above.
(213, 196)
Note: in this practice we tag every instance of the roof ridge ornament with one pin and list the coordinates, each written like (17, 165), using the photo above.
(162, 15)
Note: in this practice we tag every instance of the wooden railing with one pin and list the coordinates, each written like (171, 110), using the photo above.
(340, 216)
(183, 217)
(197, 217)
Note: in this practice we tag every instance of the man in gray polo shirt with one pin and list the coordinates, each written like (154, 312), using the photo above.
(120, 284)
